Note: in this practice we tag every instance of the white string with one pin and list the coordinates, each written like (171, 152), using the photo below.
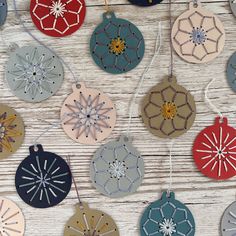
(171, 168)
(156, 53)
(213, 107)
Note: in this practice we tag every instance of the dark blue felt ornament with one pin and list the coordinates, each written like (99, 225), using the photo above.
(145, 3)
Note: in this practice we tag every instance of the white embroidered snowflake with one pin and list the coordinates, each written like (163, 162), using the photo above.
(167, 227)
(57, 8)
(117, 169)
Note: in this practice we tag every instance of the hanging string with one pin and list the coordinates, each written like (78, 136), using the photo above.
(213, 107)
(41, 43)
(171, 68)
(171, 168)
(156, 53)
(107, 6)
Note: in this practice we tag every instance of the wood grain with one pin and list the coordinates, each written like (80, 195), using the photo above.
(207, 199)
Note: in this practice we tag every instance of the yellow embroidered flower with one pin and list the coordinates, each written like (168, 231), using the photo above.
(169, 110)
(117, 46)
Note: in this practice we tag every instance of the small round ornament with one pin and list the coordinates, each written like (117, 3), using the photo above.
(228, 221)
(233, 6)
(231, 71)
(88, 115)
(145, 3)
(90, 222)
(167, 217)
(58, 18)
(12, 131)
(34, 73)
(3, 11)
(214, 150)
(117, 168)
(43, 179)
(198, 36)
(12, 221)
(169, 109)
(117, 45)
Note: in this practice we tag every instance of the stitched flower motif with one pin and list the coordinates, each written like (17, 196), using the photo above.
(117, 46)
(167, 227)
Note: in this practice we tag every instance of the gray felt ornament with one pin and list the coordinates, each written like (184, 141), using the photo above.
(233, 6)
(231, 71)
(3, 11)
(117, 168)
(34, 73)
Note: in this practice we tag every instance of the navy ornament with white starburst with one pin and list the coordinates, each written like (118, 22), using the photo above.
(117, 45)
(3, 11)
(145, 3)
(43, 179)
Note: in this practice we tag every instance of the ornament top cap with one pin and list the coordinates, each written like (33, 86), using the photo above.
(167, 195)
(79, 86)
(35, 149)
(223, 121)
(108, 15)
(194, 5)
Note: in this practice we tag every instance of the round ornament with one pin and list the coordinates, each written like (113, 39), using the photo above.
(43, 179)
(198, 36)
(88, 115)
(87, 221)
(12, 221)
(214, 150)
(116, 45)
(169, 109)
(167, 217)
(228, 221)
(231, 71)
(58, 18)
(117, 168)
(3, 11)
(34, 73)
(145, 3)
(12, 131)
(233, 6)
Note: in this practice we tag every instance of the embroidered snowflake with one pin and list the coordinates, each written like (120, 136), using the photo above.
(57, 8)
(167, 227)
(117, 169)
(198, 35)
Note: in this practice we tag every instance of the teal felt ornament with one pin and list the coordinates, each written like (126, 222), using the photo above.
(167, 217)
(117, 46)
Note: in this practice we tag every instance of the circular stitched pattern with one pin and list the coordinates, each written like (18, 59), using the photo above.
(117, 169)
(198, 36)
(58, 18)
(43, 179)
(12, 221)
(167, 217)
(90, 222)
(88, 115)
(214, 150)
(12, 131)
(145, 3)
(233, 6)
(168, 110)
(3, 11)
(34, 73)
(228, 221)
(116, 45)
(231, 71)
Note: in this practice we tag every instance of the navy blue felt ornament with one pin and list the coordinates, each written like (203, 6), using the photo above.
(145, 3)
(43, 179)
(3, 11)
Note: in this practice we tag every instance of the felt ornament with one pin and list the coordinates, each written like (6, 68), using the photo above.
(43, 179)
(88, 115)
(198, 36)
(12, 221)
(214, 150)
(12, 131)
(3, 12)
(58, 18)
(34, 73)
(233, 6)
(117, 168)
(231, 71)
(117, 45)
(145, 3)
(167, 217)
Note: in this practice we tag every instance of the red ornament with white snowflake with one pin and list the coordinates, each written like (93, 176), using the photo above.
(214, 150)
(58, 18)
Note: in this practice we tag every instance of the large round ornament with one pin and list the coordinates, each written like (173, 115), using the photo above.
(228, 221)
(12, 221)
(198, 36)
(58, 18)
(117, 46)
(167, 217)
(34, 73)
(88, 115)
(43, 179)
(214, 150)
(12, 131)
(90, 222)
(233, 6)
(168, 110)
(231, 71)
(117, 168)
(3, 11)
(145, 3)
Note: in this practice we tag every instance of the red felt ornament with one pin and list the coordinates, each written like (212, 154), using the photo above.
(214, 150)
(58, 18)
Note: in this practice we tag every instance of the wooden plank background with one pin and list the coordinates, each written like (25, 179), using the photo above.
(206, 198)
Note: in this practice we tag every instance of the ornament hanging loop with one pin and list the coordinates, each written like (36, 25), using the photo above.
(107, 7)
(195, 3)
